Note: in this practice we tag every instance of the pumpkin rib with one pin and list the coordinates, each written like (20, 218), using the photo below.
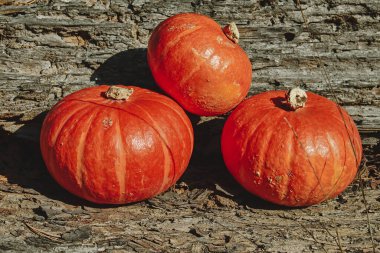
(290, 164)
(85, 192)
(319, 179)
(358, 153)
(315, 169)
(313, 190)
(272, 140)
(122, 157)
(48, 147)
(46, 135)
(72, 113)
(352, 142)
(265, 152)
(344, 117)
(187, 123)
(172, 168)
(296, 145)
(57, 132)
(335, 159)
(62, 137)
(184, 121)
(293, 157)
(192, 72)
(99, 178)
(244, 145)
(251, 133)
(337, 181)
(183, 141)
(353, 145)
(339, 118)
(177, 40)
(301, 145)
(159, 142)
(86, 189)
(159, 133)
(335, 186)
(130, 113)
(166, 145)
(81, 171)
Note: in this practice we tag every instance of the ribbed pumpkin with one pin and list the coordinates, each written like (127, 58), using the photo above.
(199, 64)
(292, 149)
(115, 145)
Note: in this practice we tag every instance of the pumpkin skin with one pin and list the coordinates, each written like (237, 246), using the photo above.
(116, 151)
(194, 62)
(291, 158)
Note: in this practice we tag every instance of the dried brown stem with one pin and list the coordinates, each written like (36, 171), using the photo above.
(314, 238)
(337, 238)
(50, 236)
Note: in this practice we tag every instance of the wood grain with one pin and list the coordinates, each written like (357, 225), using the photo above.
(50, 48)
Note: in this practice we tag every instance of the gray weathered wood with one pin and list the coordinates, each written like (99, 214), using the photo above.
(51, 48)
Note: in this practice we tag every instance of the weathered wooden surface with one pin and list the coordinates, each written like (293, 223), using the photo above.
(51, 48)
(206, 212)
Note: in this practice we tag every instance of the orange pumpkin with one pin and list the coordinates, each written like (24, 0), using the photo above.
(290, 151)
(199, 64)
(116, 145)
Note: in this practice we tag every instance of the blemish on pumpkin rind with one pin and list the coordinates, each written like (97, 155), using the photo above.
(215, 62)
(180, 27)
(107, 123)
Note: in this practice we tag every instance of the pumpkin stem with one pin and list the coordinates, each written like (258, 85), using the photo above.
(118, 93)
(296, 98)
(232, 32)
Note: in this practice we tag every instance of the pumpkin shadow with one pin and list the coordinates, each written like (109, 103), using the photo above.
(128, 67)
(22, 164)
(282, 103)
(21, 160)
(208, 171)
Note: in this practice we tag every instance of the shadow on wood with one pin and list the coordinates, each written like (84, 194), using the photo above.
(21, 160)
(207, 169)
(129, 67)
(22, 164)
